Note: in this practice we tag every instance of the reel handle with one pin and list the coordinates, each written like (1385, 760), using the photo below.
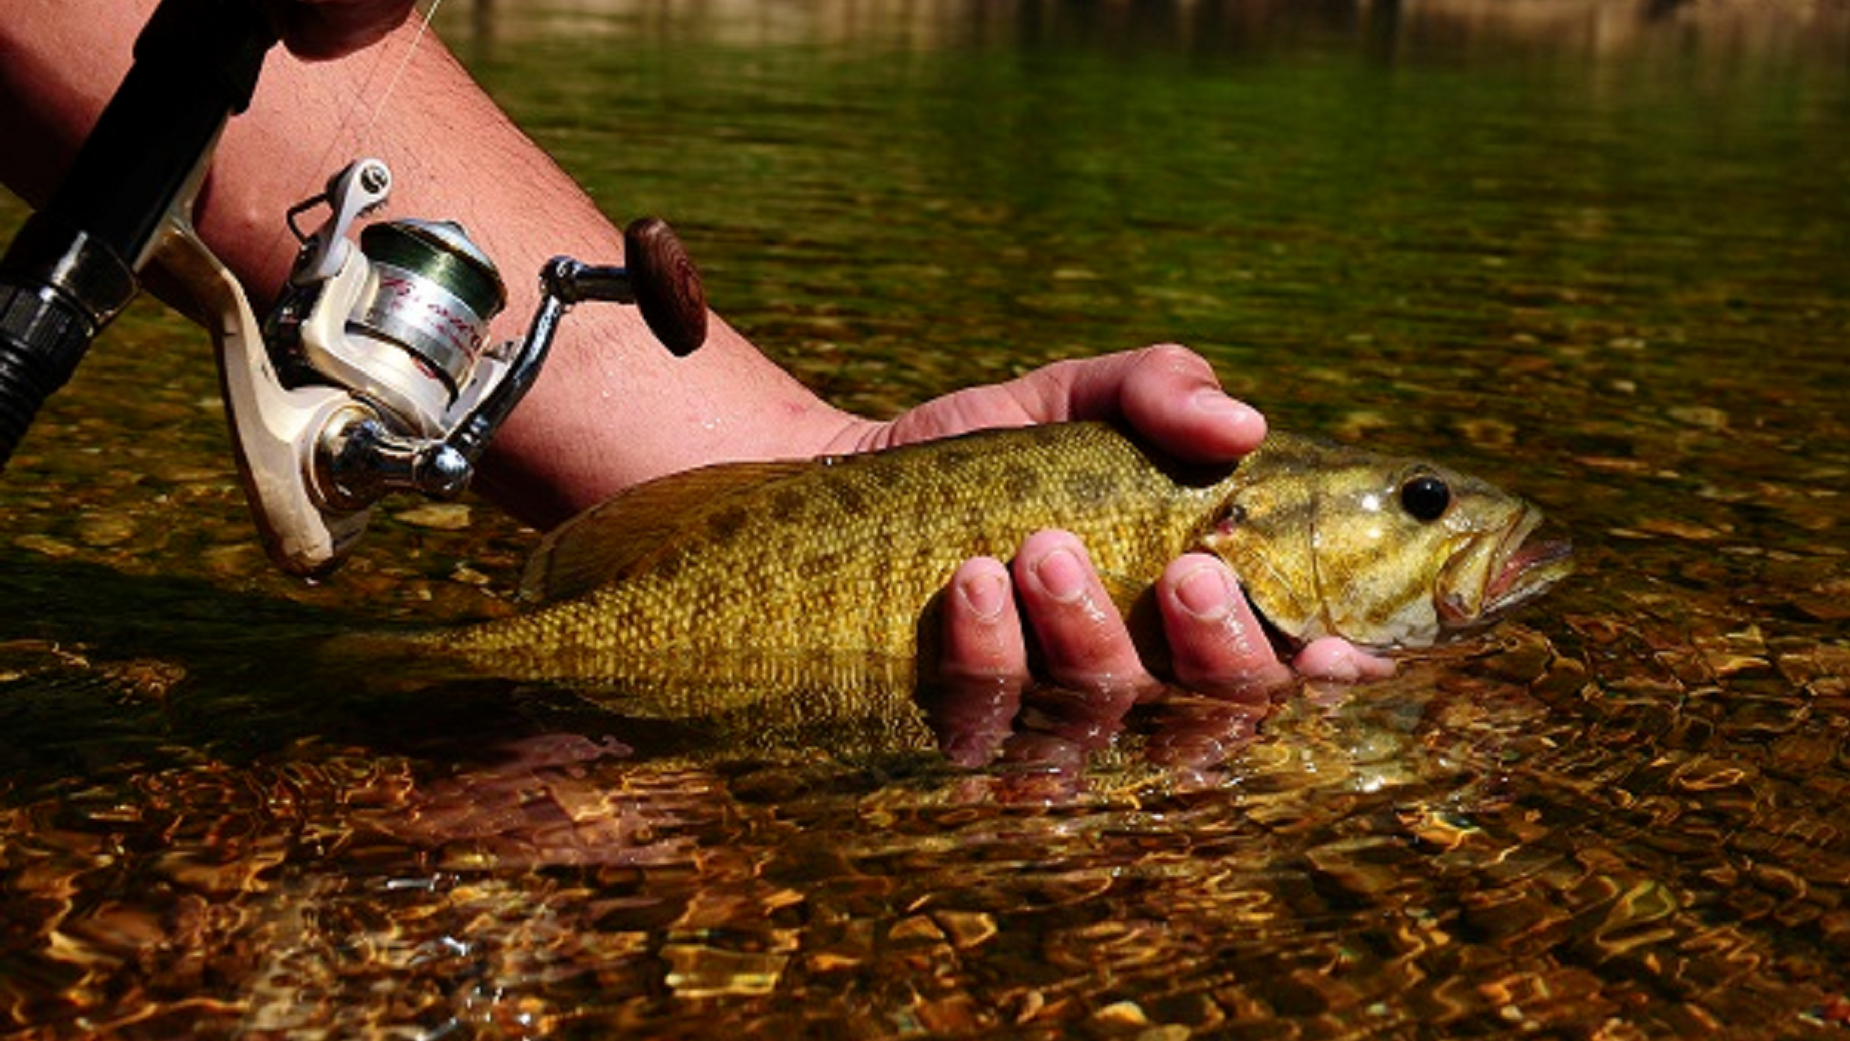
(666, 285)
(658, 278)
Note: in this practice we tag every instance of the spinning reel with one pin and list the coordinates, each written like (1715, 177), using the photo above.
(373, 373)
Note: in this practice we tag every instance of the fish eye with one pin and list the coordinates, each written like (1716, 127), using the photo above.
(1425, 497)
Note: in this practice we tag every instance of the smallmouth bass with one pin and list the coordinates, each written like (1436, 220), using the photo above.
(707, 593)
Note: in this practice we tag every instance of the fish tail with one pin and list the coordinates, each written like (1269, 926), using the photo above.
(414, 656)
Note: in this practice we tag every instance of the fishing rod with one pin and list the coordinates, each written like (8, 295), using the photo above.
(73, 266)
(371, 375)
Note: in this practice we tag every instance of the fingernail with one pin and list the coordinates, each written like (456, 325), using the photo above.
(1061, 574)
(1213, 399)
(986, 595)
(1215, 402)
(1205, 592)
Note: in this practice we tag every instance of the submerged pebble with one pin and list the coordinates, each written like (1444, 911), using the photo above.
(105, 529)
(436, 516)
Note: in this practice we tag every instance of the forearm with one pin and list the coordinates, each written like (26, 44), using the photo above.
(612, 407)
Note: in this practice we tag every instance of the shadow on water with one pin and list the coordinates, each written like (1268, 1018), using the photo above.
(157, 670)
(162, 671)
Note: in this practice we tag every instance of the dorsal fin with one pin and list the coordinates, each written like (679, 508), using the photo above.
(610, 539)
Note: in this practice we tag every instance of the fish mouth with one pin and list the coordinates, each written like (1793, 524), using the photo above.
(1520, 569)
(1525, 567)
(1528, 573)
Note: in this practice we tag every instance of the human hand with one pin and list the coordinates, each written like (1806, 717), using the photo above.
(322, 29)
(1216, 646)
(1167, 393)
(1093, 671)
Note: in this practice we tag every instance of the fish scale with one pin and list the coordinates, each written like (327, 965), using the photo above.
(815, 582)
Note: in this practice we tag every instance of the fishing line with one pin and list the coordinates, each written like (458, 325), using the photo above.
(398, 73)
(324, 166)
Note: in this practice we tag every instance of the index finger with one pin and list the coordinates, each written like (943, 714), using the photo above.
(1171, 397)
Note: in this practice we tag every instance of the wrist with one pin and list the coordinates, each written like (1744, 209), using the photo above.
(613, 408)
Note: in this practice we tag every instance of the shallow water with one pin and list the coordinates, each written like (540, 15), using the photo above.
(1595, 253)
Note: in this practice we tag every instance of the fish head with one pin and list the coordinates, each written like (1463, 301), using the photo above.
(1389, 554)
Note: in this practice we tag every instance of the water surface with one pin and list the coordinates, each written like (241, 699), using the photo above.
(1593, 252)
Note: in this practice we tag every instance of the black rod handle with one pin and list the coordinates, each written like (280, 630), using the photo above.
(196, 64)
(72, 268)
(43, 334)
